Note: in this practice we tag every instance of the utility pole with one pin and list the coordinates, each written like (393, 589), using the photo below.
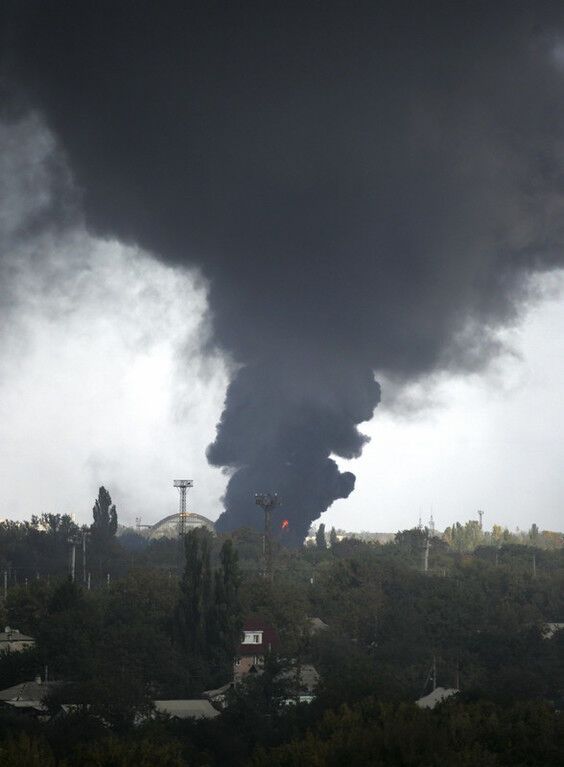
(72, 559)
(426, 553)
(268, 502)
(85, 534)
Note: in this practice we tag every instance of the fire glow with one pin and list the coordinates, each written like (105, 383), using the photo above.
(285, 524)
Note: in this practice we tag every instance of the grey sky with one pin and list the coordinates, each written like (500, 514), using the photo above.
(492, 441)
(104, 381)
(364, 187)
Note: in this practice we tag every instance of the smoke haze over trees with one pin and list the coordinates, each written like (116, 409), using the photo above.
(366, 190)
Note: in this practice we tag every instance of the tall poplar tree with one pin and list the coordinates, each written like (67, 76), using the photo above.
(104, 513)
(320, 540)
(193, 611)
(227, 621)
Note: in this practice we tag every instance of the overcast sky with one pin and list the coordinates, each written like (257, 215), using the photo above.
(103, 380)
(491, 442)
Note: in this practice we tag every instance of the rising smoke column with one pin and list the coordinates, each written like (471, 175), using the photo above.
(367, 187)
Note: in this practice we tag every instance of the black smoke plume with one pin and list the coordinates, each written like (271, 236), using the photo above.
(367, 187)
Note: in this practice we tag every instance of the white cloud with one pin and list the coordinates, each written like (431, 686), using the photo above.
(491, 442)
(99, 354)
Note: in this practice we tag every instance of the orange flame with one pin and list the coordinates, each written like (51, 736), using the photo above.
(285, 524)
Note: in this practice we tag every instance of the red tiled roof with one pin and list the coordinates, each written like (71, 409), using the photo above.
(269, 637)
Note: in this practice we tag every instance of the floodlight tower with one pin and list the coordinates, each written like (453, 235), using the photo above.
(182, 485)
(268, 502)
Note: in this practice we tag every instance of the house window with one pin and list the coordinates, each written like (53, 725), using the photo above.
(252, 637)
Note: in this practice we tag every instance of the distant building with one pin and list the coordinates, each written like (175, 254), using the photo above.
(168, 527)
(11, 640)
(438, 695)
(257, 639)
(366, 537)
(186, 709)
(28, 697)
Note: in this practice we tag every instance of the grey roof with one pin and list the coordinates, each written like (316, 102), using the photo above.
(13, 635)
(211, 694)
(435, 697)
(28, 691)
(186, 709)
(168, 527)
(316, 624)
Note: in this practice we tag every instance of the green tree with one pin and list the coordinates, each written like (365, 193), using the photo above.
(67, 636)
(193, 610)
(137, 752)
(104, 513)
(333, 537)
(227, 621)
(24, 751)
(320, 540)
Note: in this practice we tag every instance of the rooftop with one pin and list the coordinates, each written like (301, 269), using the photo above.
(13, 635)
(186, 709)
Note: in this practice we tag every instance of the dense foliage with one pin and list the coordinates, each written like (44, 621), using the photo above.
(157, 630)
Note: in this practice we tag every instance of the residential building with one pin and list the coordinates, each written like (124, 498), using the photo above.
(28, 697)
(257, 639)
(12, 640)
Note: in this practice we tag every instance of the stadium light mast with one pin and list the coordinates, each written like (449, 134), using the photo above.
(182, 485)
(268, 502)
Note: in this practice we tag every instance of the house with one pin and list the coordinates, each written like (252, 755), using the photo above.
(257, 639)
(11, 640)
(28, 697)
(186, 709)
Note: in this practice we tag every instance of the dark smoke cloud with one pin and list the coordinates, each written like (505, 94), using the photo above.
(368, 187)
